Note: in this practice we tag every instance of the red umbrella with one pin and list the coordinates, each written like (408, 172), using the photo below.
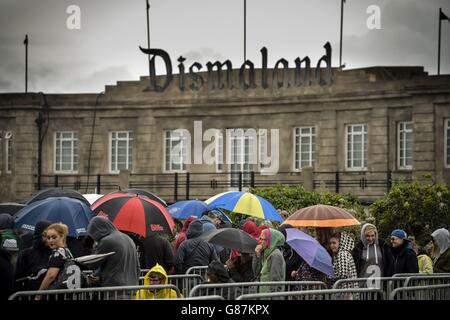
(135, 213)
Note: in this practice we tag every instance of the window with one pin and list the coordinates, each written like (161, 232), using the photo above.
(304, 147)
(66, 151)
(447, 139)
(219, 151)
(121, 156)
(405, 145)
(175, 151)
(357, 146)
(243, 153)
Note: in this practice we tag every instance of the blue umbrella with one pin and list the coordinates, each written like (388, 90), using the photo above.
(197, 208)
(72, 212)
(310, 250)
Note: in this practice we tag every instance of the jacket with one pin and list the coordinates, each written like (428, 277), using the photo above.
(6, 275)
(193, 251)
(182, 235)
(157, 250)
(273, 264)
(365, 255)
(156, 294)
(442, 261)
(404, 260)
(121, 268)
(425, 264)
(343, 264)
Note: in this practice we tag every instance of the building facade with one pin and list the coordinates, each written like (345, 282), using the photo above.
(365, 129)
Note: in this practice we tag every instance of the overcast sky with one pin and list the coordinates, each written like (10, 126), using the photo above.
(105, 48)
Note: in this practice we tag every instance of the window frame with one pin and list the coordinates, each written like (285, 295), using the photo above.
(183, 141)
(72, 139)
(129, 164)
(399, 151)
(312, 158)
(365, 131)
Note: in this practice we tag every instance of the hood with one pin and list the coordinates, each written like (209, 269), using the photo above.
(276, 239)
(207, 223)
(363, 231)
(37, 235)
(6, 221)
(346, 242)
(100, 227)
(187, 223)
(217, 268)
(251, 228)
(442, 238)
(195, 229)
(156, 269)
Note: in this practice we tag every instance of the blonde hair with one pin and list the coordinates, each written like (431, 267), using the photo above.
(61, 228)
(370, 228)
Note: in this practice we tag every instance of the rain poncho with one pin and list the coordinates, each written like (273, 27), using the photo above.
(442, 261)
(156, 294)
(273, 264)
(343, 264)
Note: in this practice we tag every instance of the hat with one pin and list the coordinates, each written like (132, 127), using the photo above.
(399, 234)
(10, 245)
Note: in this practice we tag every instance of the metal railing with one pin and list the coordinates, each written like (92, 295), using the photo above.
(433, 292)
(326, 294)
(201, 185)
(96, 293)
(232, 290)
(385, 284)
(200, 270)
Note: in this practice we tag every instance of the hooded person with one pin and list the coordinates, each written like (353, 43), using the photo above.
(441, 250)
(341, 245)
(32, 260)
(182, 235)
(194, 251)
(120, 269)
(273, 266)
(217, 273)
(404, 258)
(371, 255)
(251, 228)
(156, 276)
(291, 257)
(9, 239)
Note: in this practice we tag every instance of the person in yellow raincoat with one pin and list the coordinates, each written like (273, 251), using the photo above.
(156, 275)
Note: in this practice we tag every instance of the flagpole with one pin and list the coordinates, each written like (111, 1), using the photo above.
(26, 63)
(342, 26)
(439, 44)
(245, 30)
(147, 8)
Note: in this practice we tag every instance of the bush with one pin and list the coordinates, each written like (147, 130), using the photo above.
(418, 209)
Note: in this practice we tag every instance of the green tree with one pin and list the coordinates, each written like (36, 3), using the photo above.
(417, 208)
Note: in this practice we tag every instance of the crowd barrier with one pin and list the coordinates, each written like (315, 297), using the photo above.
(385, 284)
(432, 292)
(325, 294)
(232, 290)
(200, 270)
(96, 293)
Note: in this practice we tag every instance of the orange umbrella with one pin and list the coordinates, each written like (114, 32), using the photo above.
(321, 215)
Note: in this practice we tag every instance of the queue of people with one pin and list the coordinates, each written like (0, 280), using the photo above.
(273, 259)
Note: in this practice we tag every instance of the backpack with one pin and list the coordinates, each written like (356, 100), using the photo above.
(70, 276)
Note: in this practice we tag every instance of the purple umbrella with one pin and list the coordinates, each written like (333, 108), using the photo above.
(310, 250)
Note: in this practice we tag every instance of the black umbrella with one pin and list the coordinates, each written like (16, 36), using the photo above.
(11, 207)
(147, 194)
(230, 238)
(57, 192)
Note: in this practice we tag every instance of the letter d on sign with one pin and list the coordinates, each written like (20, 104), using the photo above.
(74, 20)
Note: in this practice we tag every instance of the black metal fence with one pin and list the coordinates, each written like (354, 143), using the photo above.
(180, 186)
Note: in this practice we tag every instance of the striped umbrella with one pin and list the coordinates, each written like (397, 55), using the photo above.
(134, 213)
(245, 203)
(321, 215)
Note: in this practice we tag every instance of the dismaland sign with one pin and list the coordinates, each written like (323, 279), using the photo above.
(218, 78)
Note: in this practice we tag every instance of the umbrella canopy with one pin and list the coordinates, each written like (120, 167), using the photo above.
(147, 194)
(92, 197)
(231, 238)
(245, 203)
(11, 207)
(321, 215)
(310, 250)
(72, 212)
(134, 213)
(197, 208)
(57, 192)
